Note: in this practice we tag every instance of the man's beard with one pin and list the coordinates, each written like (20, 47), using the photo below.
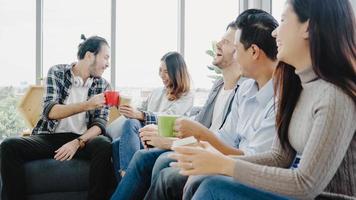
(92, 69)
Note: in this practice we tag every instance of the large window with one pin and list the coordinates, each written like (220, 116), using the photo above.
(146, 30)
(17, 39)
(206, 21)
(63, 23)
(277, 8)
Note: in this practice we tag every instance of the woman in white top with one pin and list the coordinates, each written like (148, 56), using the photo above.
(174, 98)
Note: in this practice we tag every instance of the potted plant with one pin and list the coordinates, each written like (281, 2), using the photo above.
(212, 52)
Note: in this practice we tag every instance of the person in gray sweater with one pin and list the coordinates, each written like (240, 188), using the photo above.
(315, 118)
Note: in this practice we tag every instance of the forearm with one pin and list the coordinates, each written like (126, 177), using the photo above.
(218, 144)
(227, 166)
(60, 111)
(91, 133)
(140, 116)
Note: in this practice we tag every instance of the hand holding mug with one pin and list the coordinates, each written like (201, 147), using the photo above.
(130, 112)
(112, 98)
(187, 127)
(96, 101)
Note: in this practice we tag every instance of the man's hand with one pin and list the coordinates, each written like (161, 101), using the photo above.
(185, 128)
(130, 112)
(96, 101)
(148, 130)
(67, 151)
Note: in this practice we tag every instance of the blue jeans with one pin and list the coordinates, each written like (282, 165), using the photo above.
(192, 185)
(137, 179)
(168, 185)
(223, 187)
(125, 147)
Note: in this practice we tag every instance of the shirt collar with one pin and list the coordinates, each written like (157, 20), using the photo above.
(307, 75)
(264, 95)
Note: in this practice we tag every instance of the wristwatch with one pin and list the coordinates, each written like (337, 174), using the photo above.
(81, 142)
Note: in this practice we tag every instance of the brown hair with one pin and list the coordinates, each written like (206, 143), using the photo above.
(179, 83)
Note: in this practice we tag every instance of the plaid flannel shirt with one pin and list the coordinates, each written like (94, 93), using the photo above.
(150, 117)
(58, 85)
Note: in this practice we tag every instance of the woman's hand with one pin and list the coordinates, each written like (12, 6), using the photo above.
(149, 136)
(186, 127)
(67, 151)
(202, 160)
(130, 112)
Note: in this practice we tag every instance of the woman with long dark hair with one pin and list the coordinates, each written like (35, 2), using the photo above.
(316, 102)
(174, 98)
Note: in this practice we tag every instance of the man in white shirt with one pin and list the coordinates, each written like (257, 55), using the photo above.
(72, 124)
(212, 115)
(250, 126)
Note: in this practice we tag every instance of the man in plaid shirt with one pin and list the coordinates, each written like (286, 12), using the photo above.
(72, 124)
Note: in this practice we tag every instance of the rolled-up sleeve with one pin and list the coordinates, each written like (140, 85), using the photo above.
(51, 93)
(100, 116)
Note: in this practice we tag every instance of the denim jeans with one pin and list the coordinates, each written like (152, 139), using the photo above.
(192, 185)
(125, 146)
(168, 185)
(223, 187)
(137, 179)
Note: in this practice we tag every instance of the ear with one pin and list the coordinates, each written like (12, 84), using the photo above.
(89, 55)
(305, 30)
(255, 50)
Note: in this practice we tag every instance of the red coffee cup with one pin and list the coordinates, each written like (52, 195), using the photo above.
(112, 98)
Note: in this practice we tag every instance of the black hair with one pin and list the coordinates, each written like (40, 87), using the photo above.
(92, 44)
(256, 27)
(232, 25)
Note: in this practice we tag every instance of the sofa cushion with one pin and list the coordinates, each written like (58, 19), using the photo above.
(49, 175)
(59, 196)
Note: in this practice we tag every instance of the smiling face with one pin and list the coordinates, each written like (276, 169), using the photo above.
(99, 62)
(225, 50)
(291, 36)
(163, 73)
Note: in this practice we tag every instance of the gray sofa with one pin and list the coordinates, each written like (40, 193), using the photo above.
(54, 180)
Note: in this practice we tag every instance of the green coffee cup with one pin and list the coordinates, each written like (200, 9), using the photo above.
(166, 124)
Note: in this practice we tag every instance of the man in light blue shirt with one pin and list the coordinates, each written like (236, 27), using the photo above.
(250, 126)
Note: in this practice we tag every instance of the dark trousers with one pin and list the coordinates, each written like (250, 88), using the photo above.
(168, 185)
(15, 152)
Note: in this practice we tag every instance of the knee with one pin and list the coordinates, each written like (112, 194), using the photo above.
(162, 162)
(193, 183)
(9, 144)
(209, 183)
(131, 124)
(140, 156)
(102, 144)
(170, 176)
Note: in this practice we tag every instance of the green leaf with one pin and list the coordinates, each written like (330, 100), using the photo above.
(213, 46)
(210, 53)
